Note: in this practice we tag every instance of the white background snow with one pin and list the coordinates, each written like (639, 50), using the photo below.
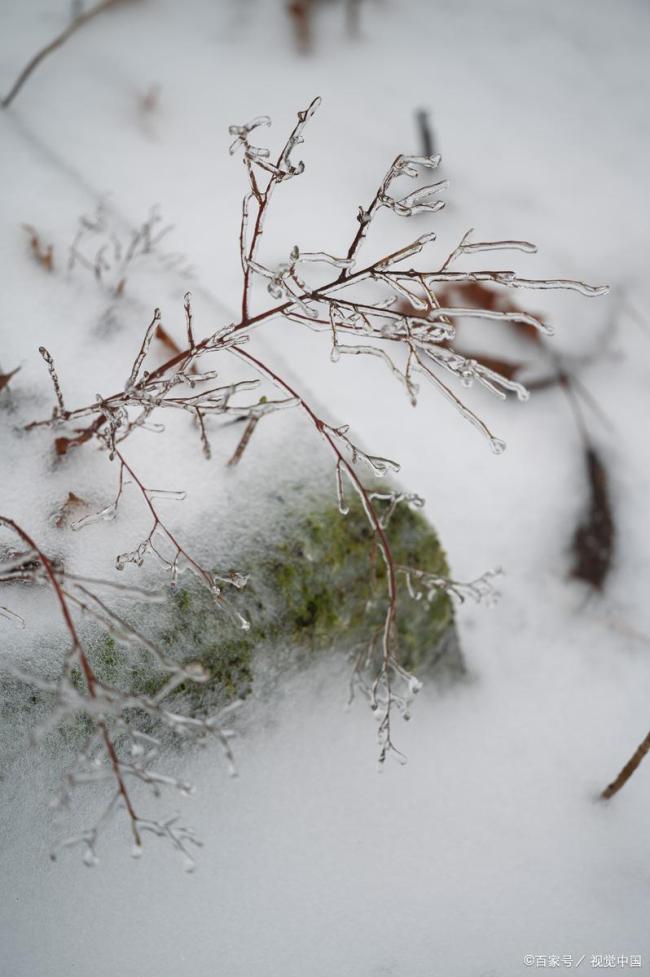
(490, 844)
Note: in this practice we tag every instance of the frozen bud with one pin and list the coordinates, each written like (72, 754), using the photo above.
(89, 858)
(196, 672)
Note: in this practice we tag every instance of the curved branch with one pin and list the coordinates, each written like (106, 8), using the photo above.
(71, 29)
(89, 675)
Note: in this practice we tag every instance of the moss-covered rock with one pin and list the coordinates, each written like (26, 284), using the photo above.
(319, 585)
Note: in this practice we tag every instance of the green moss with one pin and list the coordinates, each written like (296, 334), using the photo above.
(322, 587)
(331, 579)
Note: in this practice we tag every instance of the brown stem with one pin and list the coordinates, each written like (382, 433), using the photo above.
(628, 769)
(71, 29)
(63, 445)
(262, 199)
(243, 441)
(262, 203)
(364, 218)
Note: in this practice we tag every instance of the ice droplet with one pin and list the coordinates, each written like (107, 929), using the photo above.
(498, 446)
(90, 858)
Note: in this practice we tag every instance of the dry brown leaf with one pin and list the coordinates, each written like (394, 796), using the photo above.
(6, 377)
(41, 253)
(72, 506)
(593, 542)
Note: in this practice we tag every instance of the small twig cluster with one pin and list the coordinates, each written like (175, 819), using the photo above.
(403, 324)
(99, 248)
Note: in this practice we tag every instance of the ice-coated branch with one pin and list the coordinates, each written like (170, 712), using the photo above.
(279, 171)
(381, 692)
(398, 316)
(116, 749)
(177, 559)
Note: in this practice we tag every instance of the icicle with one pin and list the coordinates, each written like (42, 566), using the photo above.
(323, 256)
(175, 496)
(144, 349)
(135, 556)
(107, 514)
(343, 507)
(407, 165)
(477, 246)
(407, 252)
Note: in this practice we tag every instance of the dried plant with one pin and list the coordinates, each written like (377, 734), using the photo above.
(43, 254)
(100, 249)
(632, 764)
(6, 378)
(302, 14)
(397, 317)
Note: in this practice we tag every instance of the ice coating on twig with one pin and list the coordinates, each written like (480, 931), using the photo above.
(396, 317)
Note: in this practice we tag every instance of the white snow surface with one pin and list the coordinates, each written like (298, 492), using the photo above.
(490, 844)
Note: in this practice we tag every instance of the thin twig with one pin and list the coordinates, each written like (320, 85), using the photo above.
(71, 29)
(243, 441)
(84, 663)
(628, 769)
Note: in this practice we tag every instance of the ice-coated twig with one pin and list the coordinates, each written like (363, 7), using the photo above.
(59, 410)
(79, 654)
(98, 247)
(179, 560)
(144, 349)
(421, 584)
(283, 169)
(115, 749)
(397, 317)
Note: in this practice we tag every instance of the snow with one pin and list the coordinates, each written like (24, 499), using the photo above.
(490, 844)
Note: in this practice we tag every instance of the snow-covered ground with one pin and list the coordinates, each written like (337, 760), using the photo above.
(489, 845)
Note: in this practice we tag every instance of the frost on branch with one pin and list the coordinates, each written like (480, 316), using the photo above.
(396, 317)
(115, 728)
